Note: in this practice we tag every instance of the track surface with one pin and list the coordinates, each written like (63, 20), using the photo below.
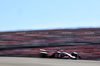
(20, 61)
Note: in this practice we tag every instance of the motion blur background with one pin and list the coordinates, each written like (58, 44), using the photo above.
(29, 25)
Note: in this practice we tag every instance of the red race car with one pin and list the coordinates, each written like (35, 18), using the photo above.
(58, 54)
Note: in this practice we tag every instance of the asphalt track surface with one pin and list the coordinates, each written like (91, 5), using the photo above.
(22, 61)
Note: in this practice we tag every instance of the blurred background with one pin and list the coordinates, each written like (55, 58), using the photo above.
(29, 25)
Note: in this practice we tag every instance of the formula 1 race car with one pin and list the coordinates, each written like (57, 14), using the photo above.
(58, 54)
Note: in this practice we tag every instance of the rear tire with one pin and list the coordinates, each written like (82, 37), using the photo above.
(43, 55)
